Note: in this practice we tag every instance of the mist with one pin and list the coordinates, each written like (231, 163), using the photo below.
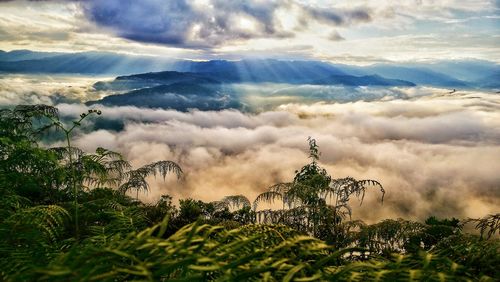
(431, 160)
(435, 153)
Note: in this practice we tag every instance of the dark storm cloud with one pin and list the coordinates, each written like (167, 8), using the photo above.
(205, 24)
(183, 23)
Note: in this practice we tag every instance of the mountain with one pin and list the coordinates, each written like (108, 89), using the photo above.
(169, 77)
(151, 79)
(94, 63)
(451, 74)
(137, 81)
(490, 81)
(469, 70)
(417, 74)
(367, 80)
(22, 55)
(181, 96)
(187, 90)
(102, 63)
(269, 70)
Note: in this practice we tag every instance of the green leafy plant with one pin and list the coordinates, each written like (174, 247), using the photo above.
(489, 225)
(313, 200)
(119, 238)
(68, 131)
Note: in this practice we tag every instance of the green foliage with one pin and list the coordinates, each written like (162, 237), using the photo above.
(313, 202)
(413, 267)
(25, 122)
(390, 236)
(201, 252)
(156, 212)
(30, 240)
(489, 226)
(436, 230)
(480, 257)
(66, 215)
(197, 253)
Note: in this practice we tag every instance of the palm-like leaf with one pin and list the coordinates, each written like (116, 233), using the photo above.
(26, 121)
(267, 197)
(104, 167)
(137, 178)
(488, 226)
(314, 197)
(236, 201)
(37, 110)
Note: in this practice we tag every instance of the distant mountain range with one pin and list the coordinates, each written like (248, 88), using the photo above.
(450, 74)
(182, 85)
(91, 63)
(366, 80)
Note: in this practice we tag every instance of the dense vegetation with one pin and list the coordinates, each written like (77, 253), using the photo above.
(69, 215)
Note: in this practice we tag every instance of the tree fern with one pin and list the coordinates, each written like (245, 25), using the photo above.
(136, 179)
(314, 199)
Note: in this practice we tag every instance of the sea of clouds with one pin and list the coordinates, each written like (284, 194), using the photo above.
(435, 153)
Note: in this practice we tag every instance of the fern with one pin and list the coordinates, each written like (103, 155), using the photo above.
(200, 252)
(30, 240)
(489, 226)
(313, 200)
(236, 201)
(137, 178)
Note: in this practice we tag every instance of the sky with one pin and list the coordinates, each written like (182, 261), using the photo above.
(435, 151)
(357, 31)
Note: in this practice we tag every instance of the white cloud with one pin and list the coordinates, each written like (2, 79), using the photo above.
(393, 30)
(435, 154)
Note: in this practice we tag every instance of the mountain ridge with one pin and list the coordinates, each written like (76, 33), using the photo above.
(456, 74)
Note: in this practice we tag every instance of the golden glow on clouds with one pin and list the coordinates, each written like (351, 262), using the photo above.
(435, 153)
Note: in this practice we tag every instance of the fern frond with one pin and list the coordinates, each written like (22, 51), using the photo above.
(37, 110)
(267, 197)
(236, 201)
(137, 178)
(488, 226)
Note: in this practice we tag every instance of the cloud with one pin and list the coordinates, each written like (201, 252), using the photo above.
(209, 23)
(44, 89)
(435, 155)
(377, 30)
(336, 18)
(335, 36)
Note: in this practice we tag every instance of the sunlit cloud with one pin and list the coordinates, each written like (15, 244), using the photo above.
(383, 30)
(435, 153)
(205, 24)
(432, 160)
